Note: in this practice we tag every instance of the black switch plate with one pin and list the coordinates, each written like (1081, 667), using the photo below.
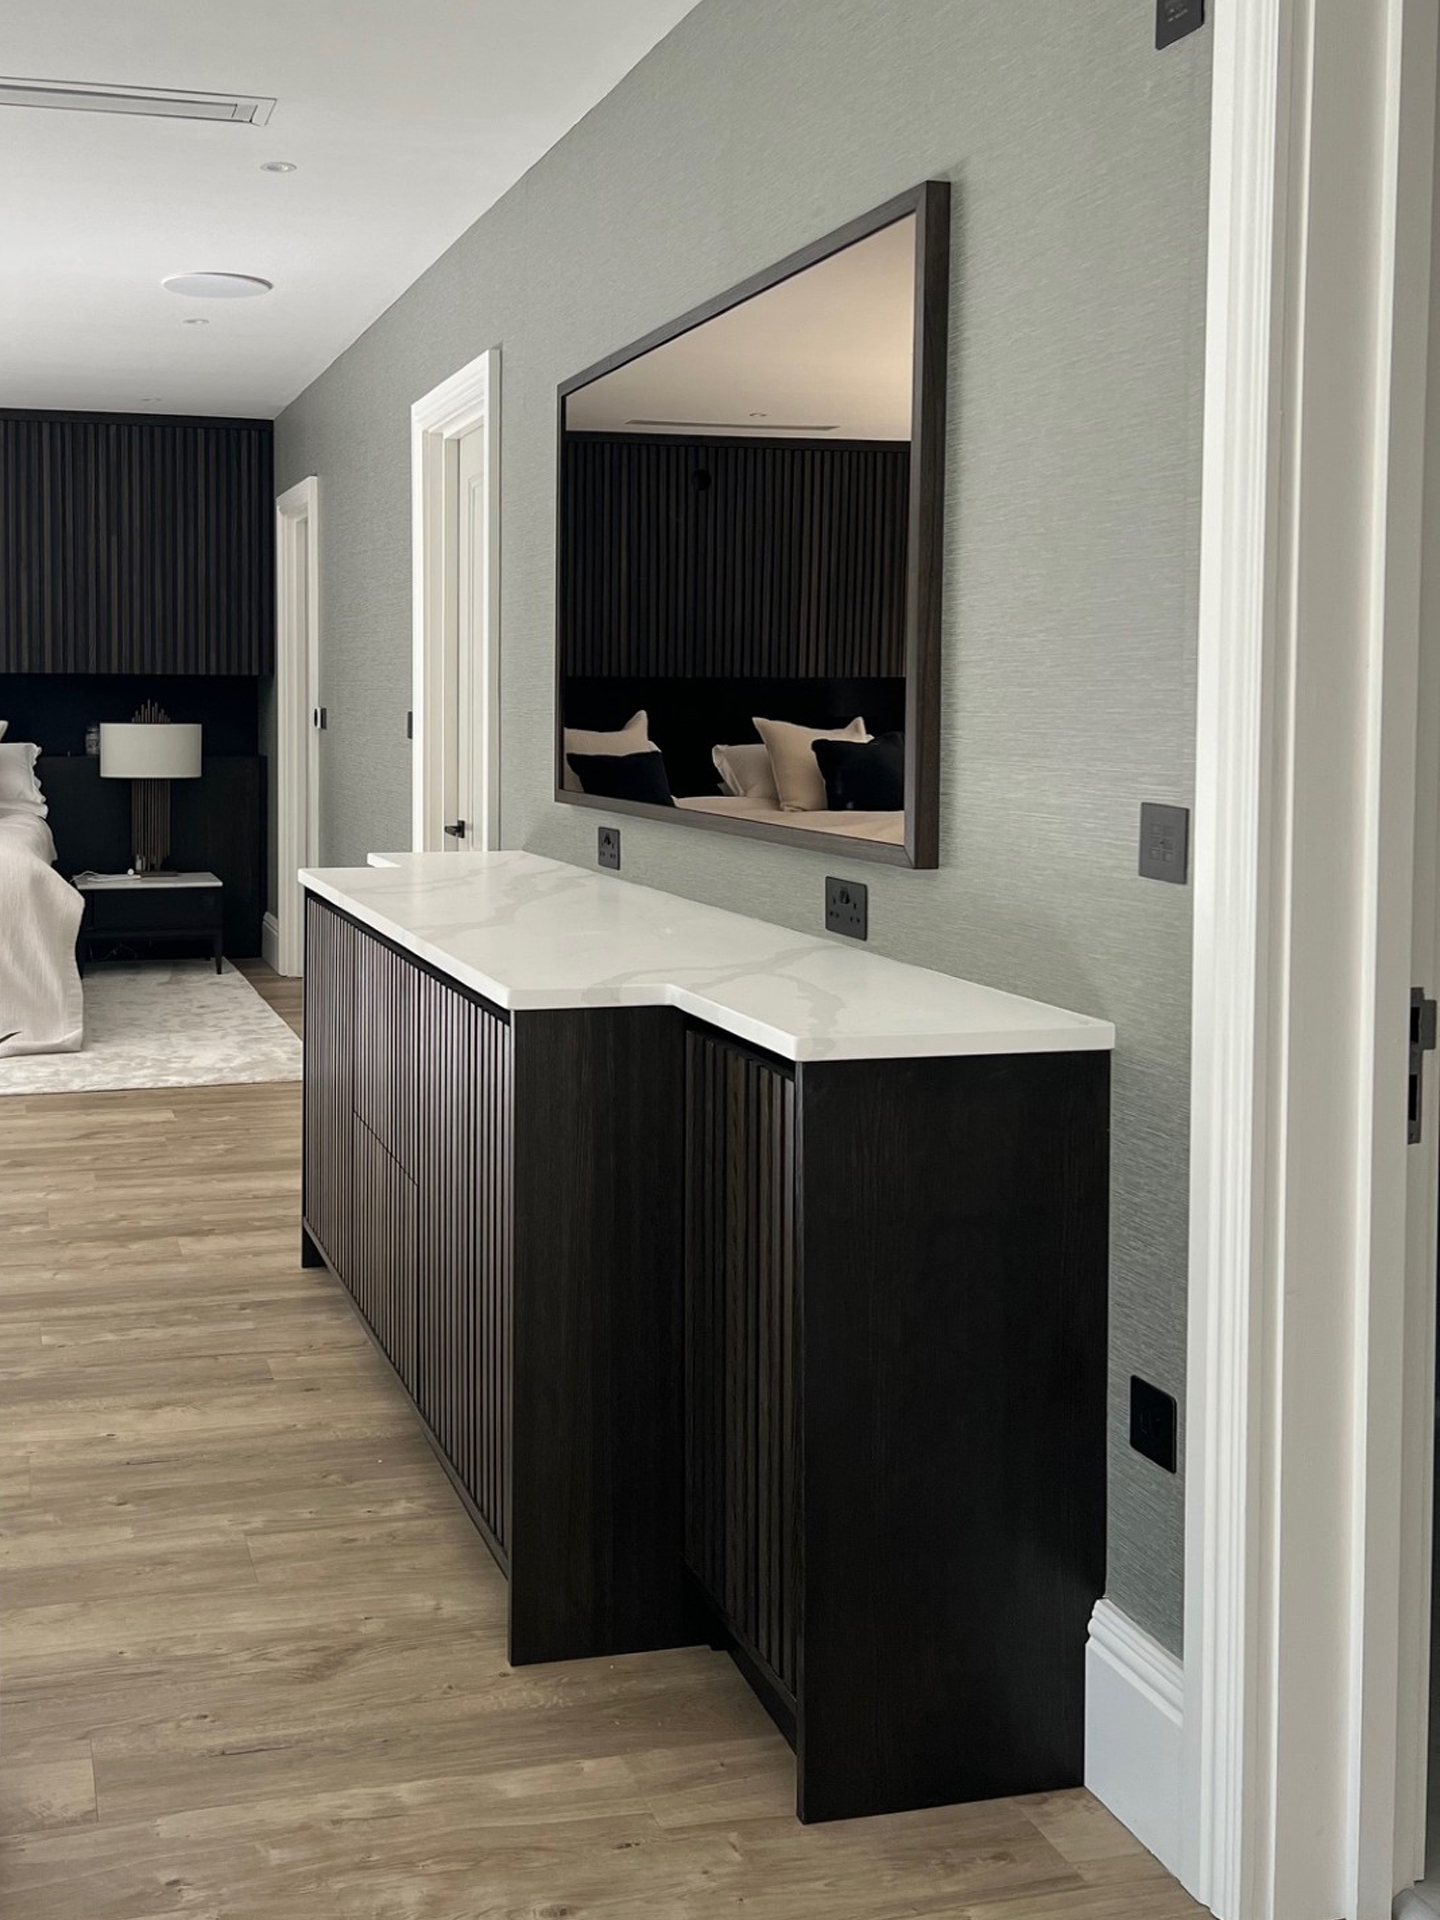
(1164, 843)
(1154, 1422)
(1175, 18)
(607, 848)
(847, 908)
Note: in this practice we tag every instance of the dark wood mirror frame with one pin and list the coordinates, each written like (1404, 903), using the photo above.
(929, 203)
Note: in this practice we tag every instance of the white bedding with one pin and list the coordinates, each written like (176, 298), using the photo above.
(41, 1001)
(889, 827)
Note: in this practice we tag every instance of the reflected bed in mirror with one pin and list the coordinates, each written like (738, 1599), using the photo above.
(749, 552)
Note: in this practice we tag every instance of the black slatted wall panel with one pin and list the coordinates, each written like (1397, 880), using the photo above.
(136, 546)
(729, 558)
(742, 1448)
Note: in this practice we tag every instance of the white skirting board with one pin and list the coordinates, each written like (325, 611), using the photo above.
(270, 941)
(1134, 1720)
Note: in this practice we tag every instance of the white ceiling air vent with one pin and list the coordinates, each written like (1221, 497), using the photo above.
(82, 96)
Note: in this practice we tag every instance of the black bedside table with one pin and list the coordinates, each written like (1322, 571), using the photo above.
(123, 908)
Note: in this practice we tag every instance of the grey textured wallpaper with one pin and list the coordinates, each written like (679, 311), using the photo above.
(1079, 159)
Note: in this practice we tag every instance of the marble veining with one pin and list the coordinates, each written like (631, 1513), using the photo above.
(531, 933)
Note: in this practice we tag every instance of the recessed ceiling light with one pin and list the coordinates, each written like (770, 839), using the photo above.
(216, 286)
(277, 166)
(194, 323)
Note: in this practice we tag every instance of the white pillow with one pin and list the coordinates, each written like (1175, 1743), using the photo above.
(3, 725)
(798, 781)
(745, 772)
(633, 737)
(19, 789)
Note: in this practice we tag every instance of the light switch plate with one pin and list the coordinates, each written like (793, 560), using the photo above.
(1164, 843)
(1154, 1423)
(1175, 18)
(607, 848)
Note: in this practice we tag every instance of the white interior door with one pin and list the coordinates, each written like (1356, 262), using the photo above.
(297, 697)
(462, 744)
(456, 512)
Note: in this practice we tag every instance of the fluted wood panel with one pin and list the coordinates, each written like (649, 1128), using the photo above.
(331, 945)
(463, 1369)
(742, 1453)
(136, 546)
(727, 558)
(408, 1187)
(381, 1274)
(386, 1046)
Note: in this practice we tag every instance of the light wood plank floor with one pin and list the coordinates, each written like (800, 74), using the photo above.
(252, 1653)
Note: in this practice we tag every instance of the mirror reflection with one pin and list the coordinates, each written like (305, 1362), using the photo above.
(734, 525)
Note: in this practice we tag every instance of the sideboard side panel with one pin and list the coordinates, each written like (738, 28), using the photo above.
(597, 1446)
(953, 1289)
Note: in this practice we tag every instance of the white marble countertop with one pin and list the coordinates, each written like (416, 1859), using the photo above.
(531, 933)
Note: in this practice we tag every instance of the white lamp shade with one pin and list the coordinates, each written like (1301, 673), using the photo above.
(138, 750)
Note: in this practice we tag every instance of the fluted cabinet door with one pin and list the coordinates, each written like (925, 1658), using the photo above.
(462, 1384)
(331, 947)
(740, 1348)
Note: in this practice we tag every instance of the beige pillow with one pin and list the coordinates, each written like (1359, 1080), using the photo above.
(745, 772)
(792, 760)
(633, 737)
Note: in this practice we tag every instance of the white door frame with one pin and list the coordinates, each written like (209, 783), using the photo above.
(297, 680)
(469, 400)
(1299, 1769)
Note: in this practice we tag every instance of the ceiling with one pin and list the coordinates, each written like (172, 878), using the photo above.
(830, 351)
(405, 119)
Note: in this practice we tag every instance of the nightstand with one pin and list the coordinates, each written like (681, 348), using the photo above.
(124, 908)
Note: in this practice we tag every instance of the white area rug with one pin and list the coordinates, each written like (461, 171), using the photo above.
(170, 1024)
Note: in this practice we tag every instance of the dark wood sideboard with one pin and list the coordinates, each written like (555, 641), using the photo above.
(805, 1360)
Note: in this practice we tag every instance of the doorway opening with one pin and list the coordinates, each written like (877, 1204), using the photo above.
(454, 466)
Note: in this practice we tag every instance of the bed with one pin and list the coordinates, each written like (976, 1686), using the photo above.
(887, 827)
(41, 1000)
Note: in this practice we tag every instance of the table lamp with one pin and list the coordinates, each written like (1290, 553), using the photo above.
(150, 751)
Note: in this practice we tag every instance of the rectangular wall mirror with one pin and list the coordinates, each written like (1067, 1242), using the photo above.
(749, 552)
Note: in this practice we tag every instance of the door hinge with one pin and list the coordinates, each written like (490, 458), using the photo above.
(1422, 1041)
(456, 829)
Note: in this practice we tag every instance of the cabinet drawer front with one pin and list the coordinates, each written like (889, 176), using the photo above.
(742, 1448)
(382, 1253)
(387, 1049)
(153, 909)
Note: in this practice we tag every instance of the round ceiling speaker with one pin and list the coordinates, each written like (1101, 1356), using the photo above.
(216, 286)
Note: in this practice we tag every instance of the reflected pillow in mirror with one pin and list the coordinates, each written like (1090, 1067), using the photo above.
(633, 737)
(745, 772)
(624, 776)
(863, 776)
(19, 788)
(793, 764)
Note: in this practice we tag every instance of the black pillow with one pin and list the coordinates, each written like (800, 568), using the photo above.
(624, 776)
(863, 776)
